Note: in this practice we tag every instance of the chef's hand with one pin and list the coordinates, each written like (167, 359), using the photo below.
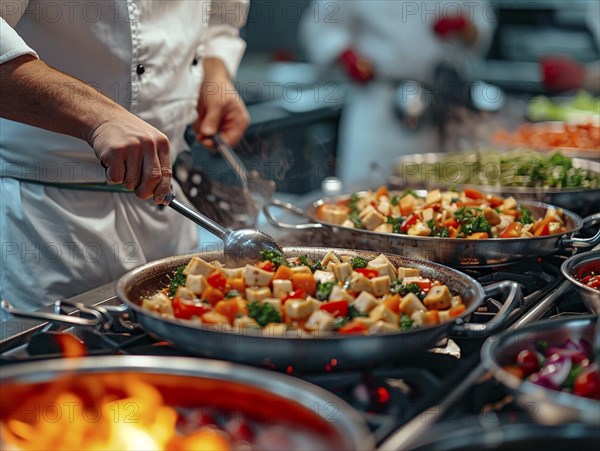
(452, 27)
(357, 67)
(135, 154)
(220, 107)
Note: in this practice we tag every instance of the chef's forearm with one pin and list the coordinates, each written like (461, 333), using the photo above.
(33, 93)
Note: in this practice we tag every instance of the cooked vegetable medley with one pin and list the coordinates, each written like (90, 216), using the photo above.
(299, 297)
(451, 214)
(566, 368)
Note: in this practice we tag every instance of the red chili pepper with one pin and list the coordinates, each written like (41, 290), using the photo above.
(186, 309)
(594, 282)
(217, 279)
(296, 294)
(336, 308)
(409, 222)
(353, 328)
(368, 273)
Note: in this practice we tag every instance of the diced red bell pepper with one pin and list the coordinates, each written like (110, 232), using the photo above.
(296, 294)
(494, 201)
(411, 220)
(594, 282)
(353, 327)
(368, 273)
(217, 280)
(186, 309)
(424, 285)
(267, 265)
(472, 193)
(336, 308)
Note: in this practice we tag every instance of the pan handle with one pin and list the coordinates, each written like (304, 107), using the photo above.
(513, 297)
(98, 319)
(291, 208)
(584, 242)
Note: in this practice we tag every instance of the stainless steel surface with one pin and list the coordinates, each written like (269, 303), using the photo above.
(240, 246)
(330, 411)
(590, 296)
(571, 198)
(542, 307)
(552, 407)
(314, 353)
(451, 251)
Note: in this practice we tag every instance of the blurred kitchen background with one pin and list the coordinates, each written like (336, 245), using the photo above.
(296, 106)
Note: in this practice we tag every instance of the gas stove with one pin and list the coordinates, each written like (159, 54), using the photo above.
(445, 384)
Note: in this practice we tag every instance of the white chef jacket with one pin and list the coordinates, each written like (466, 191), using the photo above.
(147, 56)
(397, 37)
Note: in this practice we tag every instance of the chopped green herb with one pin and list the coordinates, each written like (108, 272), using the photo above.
(177, 280)
(438, 231)
(323, 290)
(353, 216)
(398, 287)
(263, 313)
(570, 380)
(354, 198)
(353, 312)
(358, 262)
(340, 322)
(396, 223)
(232, 294)
(304, 260)
(525, 216)
(395, 200)
(409, 191)
(405, 323)
(274, 256)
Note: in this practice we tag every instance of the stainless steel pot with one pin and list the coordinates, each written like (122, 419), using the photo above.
(339, 351)
(451, 251)
(408, 173)
(574, 265)
(193, 383)
(550, 407)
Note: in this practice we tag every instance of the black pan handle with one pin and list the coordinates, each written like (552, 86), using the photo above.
(584, 242)
(513, 296)
(292, 209)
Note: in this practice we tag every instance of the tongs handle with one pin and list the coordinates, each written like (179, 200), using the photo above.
(195, 216)
(232, 158)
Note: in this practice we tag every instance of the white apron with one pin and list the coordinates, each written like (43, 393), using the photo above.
(147, 56)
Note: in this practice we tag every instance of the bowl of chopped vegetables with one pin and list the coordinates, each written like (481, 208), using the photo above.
(583, 271)
(550, 368)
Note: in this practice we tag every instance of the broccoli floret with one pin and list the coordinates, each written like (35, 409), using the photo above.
(303, 259)
(358, 262)
(275, 257)
(398, 287)
(405, 323)
(323, 290)
(525, 216)
(177, 280)
(263, 313)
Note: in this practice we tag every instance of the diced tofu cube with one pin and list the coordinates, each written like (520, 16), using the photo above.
(433, 197)
(508, 204)
(197, 266)
(365, 302)
(367, 321)
(407, 204)
(384, 208)
(447, 197)
(342, 271)
(185, 294)
(243, 323)
(359, 283)
(273, 302)
(301, 270)
(320, 321)
(381, 312)
(383, 327)
(160, 303)
(383, 266)
(254, 276)
(456, 301)
(408, 272)
(444, 316)
(339, 294)
(329, 257)
(419, 228)
(299, 309)
(258, 294)
(373, 219)
(232, 272)
(365, 211)
(384, 228)
(281, 288)
(380, 285)
(216, 319)
(196, 283)
(428, 214)
(418, 318)
(438, 298)
(410, 304)
(324, 276)
(348, 223)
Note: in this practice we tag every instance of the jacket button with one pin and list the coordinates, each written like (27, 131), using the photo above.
(140, 69)
(195, 62)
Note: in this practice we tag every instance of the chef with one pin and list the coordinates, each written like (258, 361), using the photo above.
(95, 98)
(379, 44)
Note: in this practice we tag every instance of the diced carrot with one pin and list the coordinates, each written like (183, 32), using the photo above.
(236, 283)
(283, 273)
(353, 327)
(478, 236)
(381, 191)
(512, 212)
(431, 317)
(231, 308)
(473, 193)
(212, 295)
(452, 222)
(512, 231)
(452, 232)
(407, 205)
(456, 311)
(542, 228)
(305, 282)
(393, 303)
(494, 201)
